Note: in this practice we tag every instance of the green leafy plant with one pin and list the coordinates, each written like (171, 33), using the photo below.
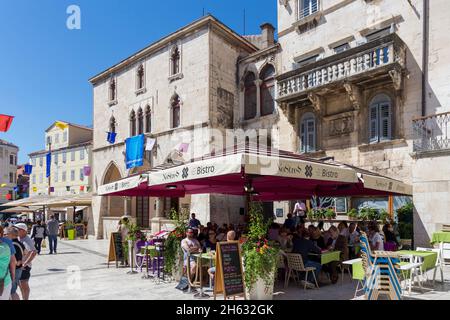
(172, 245)
(69, 225)
(383, 215)
(260, 255)
(405, 221)
(321, 213)
(353, 213)
(330, 213)
(311, 214)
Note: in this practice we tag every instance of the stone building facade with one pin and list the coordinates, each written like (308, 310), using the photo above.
(180, 89)
(8, 167)
(350, 90)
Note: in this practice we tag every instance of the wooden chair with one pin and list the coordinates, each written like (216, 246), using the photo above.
(295, 263)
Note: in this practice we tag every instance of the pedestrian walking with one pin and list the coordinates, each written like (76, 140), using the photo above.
(30, 254)
(38, 234)
(52, 233)
(13, 235)
(7, 266)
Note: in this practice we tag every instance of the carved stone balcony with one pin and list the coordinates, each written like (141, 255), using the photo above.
(377, 60)
(432, 133)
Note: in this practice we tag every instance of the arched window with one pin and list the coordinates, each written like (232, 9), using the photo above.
(112, 124)
(380, 118)
(175, 60)
(140, 77)
(148, 120)
(140, 117)
(112, 89)
(267, 90)
(132, 123)
(308, 133)
(249, 96)
(175, 104)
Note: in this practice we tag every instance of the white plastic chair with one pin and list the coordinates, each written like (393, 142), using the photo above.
(414, 268)
(439, 262)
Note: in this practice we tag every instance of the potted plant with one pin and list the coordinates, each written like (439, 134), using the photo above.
(330, 214)
(405, 224)
(311, 215)
(353, 213)
(260, 257)
(383, 216)
(173, 255)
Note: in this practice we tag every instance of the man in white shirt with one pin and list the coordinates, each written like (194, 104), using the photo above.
(30, 254)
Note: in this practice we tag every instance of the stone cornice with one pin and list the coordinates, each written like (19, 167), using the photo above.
(192, 27)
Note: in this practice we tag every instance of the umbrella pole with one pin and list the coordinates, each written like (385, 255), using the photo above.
(74, 213)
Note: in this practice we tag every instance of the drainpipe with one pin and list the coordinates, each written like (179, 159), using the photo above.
(425, 46)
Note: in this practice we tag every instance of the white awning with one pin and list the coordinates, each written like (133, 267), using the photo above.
(122, 185)
(294, 168)
(385, 184)
(197, 170)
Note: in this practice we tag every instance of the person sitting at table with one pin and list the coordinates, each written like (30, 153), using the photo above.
(343, 229)
(304, 247)
(317, 238)
(221, 234)
(285, 241)
(375, 238)
(289, 223)
(274, 232)
(190, 245)
(353, 234)
(390, 240)
(210, 242)
(202, 235)
(231, 236)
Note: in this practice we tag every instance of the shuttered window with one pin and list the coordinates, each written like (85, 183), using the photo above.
(380, 119)
(308, 133)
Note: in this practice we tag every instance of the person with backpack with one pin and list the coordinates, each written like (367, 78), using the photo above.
(38, 234)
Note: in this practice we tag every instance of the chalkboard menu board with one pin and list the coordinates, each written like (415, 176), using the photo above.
(116, 252)
(230, 281)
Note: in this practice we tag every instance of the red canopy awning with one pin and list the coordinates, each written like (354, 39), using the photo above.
(267, 176)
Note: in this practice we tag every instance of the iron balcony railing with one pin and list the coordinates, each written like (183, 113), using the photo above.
(432, 133)
(369, 57)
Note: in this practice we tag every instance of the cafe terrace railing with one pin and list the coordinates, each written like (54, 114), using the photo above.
(432, 133)
(377, 56)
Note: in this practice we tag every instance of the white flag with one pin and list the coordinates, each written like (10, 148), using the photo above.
(150, 144)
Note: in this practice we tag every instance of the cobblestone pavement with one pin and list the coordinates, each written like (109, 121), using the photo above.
(79, 272)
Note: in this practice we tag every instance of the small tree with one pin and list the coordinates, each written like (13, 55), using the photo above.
(260, 255)
(173, 243)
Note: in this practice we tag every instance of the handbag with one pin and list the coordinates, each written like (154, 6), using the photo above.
(44, 243)
(183, 285)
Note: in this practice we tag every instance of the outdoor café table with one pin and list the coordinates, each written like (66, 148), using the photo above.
(149, 251)
(428, 258)
(328, 256)
(200, 258)
(440, 236)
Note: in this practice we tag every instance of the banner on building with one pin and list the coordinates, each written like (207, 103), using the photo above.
(135, 151)
(28, 169)
(49, 164)
(87, 171)
(111, 137)
(150, 144)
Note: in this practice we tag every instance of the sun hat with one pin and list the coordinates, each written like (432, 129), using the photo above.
(21, 226)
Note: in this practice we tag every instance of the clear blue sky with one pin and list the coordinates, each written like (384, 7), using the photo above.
(45, 67)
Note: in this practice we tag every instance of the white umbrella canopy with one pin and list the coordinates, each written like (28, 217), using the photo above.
(17, 210)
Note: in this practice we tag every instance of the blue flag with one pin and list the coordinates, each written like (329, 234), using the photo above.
(28, 168)
(111, 137)
(135, 151)
(49, 164)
